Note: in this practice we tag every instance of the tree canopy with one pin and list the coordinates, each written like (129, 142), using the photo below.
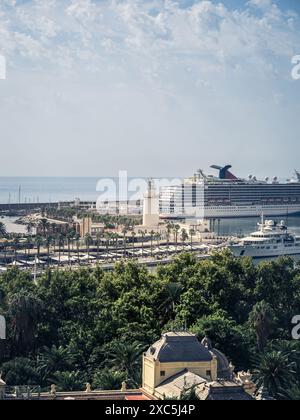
(91, 326)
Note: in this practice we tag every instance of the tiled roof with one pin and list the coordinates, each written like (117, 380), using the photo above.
(224, 391)
(179, 347)
(174, 386)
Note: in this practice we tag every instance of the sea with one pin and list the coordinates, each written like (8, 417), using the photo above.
(245, 226)
(58, 189)
(47, 190)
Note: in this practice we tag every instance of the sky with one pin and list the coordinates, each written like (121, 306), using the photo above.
(154, 87)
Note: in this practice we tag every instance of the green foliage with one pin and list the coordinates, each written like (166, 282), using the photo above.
(125, 357)
(68, 381)
(51, 360)
(276, 373)
(87, 325)
(20, 371)
(262, 319)
(108, 379)
(226, 335)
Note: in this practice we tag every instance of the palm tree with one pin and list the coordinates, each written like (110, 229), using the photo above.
(176, 229)
(107, 241)
(53, 228)
(3, 232)
(152, 234)
(158, 239)
(133, 235)
(68, 381)
(44, 225)
(70, 238)
(16, 243)
(24, 310)
(53, 359)
(169, 230)
(109, 379)
(275, 373)
(192, 234)
(115, 237)
(143, 234)
(61, 245)
(77, 240)
(261, 319)
(293, 394)
(28, 245)
(98, 241)
(88, 241)
(38, 243)
(48, 244)
(184, 237)
(172, 295)
(29, 228)
(124, 231)
(125, 357)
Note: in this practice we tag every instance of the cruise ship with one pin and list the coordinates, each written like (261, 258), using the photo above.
(227, 196)
(271, 240)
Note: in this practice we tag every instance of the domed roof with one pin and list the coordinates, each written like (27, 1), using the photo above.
(179, 347)
(225, 370)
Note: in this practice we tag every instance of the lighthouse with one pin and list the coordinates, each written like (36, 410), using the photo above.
(151, 206)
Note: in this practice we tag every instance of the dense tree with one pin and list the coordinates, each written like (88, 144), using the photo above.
(68, 381)
(261, 318)
(126, 357)
(108, 379)
(20, 371)
(172, 293)
(87, 325)
(51, 360)
(24, 312)
(226, 335)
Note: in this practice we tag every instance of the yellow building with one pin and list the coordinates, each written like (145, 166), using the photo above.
(178, 361)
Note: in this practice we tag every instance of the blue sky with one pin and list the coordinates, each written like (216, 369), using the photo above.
(156, 87)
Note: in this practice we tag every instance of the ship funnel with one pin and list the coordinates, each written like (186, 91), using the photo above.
(224, 172)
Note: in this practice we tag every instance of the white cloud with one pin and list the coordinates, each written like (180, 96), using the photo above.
(206, 31)
(263, 4)
(148, 74)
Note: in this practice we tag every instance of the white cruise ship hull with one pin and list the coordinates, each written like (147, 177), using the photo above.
(207, 197)
(226, 212)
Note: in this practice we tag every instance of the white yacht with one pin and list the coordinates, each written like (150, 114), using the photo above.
(272, 239)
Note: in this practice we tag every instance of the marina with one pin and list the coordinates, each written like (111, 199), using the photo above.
(80, 233)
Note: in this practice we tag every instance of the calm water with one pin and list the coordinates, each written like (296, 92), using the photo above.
(233, 227)
(46, 189)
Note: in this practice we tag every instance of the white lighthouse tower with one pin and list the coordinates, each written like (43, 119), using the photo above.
(151, 206)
